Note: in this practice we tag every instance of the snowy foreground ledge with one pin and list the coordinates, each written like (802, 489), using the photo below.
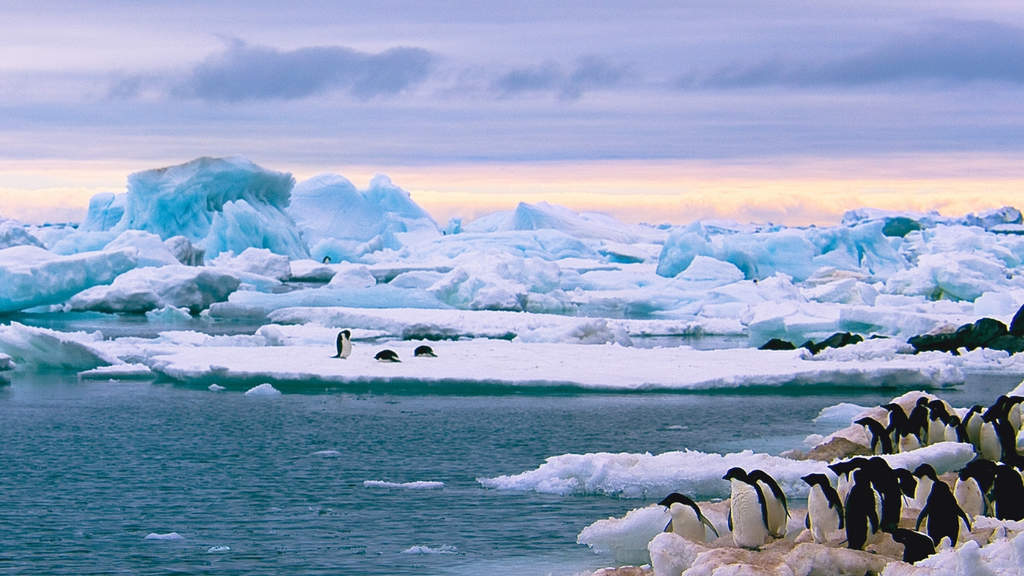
(503, 363)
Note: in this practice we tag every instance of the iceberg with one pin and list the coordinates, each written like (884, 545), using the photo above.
(219, 204)
(31, 276)
(13, 233)
(342, 223)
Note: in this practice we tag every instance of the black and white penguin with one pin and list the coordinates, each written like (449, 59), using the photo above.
(844, 471)
(916, 546)
(687, 519)
(897, 420)
(881, 442)
(344, 344)
(860, 511)
(326, 260)
(1008, 493)
(907, 481)
(886, 483)
(824, 509)
(387, 356)
(926, 476)
(938, 416)
(972, 424)
(973, 483)
(775, 502)
(989, 446)
(748, 512)
(424, 351)
(942, 514)
(917, 420)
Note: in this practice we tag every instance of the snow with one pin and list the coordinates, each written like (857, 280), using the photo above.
(31, 276)
(697, 474)
(627, 537)
(264, 390)
(165, 536)
(41, 348)
(500, 363)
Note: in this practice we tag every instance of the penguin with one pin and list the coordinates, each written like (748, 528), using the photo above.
(344, 344)
(1008, 493)
(843, 470)
(972, 424)
(909, 441)
(326, 260)
(687, 519)
(775, 502)
(941, 512)
(424, 351)
(938, 416)
(387, 356)
(989, 446)
(1014, 414)
(860, 510)
(926, 476)
(916, 546)
(748, 512)
(907, 481)
(972, 484)
(886, 483)
(881, 442)
(897, 419)
(1008, 443)
(824, 509)
(917, 420)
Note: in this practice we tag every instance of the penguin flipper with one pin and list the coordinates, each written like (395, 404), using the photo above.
(807, 521)
(960, 512)
(668, 527)
(921, 517)
(730, 520)
(706, 522)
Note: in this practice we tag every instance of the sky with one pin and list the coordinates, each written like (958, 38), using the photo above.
(784, 111)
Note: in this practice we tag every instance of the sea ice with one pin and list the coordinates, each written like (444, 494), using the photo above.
(144, 289)
(418, 485)
(31, 276)
(166, 536)
(264, 390)
(421, 549)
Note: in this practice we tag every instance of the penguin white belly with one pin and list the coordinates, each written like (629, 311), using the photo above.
(973, 427)
(748, 528)
(346, 348)
(777, 520)
(1015, 416)
(1020, 441)
(686, 524)
(968, 496)
(924, 488)
(823, 520)
(936, 431)
(951, 435)
(843, 486)
(908, 443)
(989, 443)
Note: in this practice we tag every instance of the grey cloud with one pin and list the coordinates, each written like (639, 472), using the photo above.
(588, 73)
(244, 72)
(944, 52)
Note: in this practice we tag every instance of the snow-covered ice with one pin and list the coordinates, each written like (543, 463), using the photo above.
(417, 485)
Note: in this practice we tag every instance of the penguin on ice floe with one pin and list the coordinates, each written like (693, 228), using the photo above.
(344, 344)
(824, 509)
(748, 512)
(687, 519)
(775, 502)
(881, 442)
(424, 351)
(387, 356)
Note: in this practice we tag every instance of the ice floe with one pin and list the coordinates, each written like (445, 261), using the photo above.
(417, 485)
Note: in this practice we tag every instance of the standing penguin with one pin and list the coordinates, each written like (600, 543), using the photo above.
(824, 510)
(916, 546)
(886, 482)
(1008, 493)
(973, 484)
(860, 510)
(344, 344)
(843, 471)
(972, 424)
(881, 442)
(748, 513)
(942, 513)
(687, 520)
(775, 502)
(926, 476)
(989, 445)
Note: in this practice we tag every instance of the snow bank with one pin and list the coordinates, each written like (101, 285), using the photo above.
(627, 537)
(145, 289)
(31, 276)
(697, 474)
(1004, 557)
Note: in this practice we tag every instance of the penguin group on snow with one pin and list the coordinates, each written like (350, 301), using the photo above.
(344, 350)
(916, 508)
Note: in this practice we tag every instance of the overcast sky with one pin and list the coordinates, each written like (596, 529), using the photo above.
(520, 94)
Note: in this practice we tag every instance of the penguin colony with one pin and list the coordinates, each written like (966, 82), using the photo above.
(869, 497)
(343, 344)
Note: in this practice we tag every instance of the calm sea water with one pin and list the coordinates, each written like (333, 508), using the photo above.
(89, 469)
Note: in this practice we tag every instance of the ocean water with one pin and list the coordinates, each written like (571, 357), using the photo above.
(276, 485)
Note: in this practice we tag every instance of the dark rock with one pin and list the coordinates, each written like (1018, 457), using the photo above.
(947, 342)
(837, 340)
(899, 226)
(777, 344)
(1017, 324)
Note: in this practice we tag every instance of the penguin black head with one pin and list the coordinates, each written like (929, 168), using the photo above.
(736, 473)
(926, 470)
(387, 356)
(345, 333)
(326, 260)
(847, 466)
(677, 498)
(981, 470)
(916, 546)
(424, 351)
(762, 476)
(816, 480)
(907, 480)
